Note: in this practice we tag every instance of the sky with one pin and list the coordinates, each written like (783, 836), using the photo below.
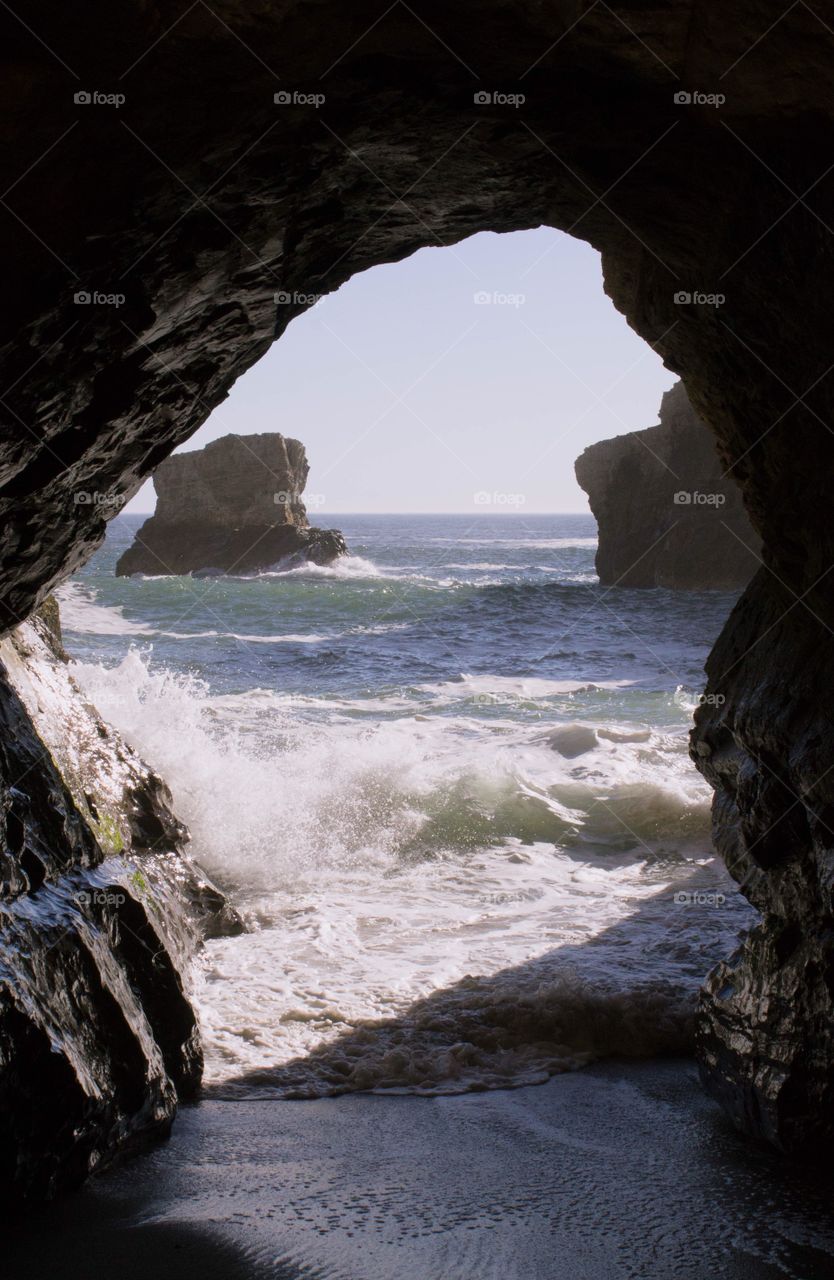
(464, 378)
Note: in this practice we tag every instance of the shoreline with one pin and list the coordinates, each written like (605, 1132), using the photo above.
(618, 1171)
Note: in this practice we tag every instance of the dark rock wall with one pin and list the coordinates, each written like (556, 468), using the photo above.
(766, 1031)
(235, 506)
(668, 514)
(205, 215)
(86, 1066)
(100, 910)
(200, 201)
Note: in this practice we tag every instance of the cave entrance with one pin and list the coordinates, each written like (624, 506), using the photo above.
(451, 751)
(251, 150)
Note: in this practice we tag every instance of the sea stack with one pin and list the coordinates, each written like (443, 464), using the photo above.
(233, 507)
(668, 513)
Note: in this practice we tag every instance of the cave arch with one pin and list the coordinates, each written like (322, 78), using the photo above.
(146, 240)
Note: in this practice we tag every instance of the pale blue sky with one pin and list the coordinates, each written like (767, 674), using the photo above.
(411, 396)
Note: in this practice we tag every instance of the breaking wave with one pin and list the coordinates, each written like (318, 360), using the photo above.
(437, 901)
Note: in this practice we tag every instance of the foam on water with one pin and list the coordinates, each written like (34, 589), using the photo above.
(437, 901)
(80, 612)
(538, 544)
(346, 567)
(451, 796)
(468, 686)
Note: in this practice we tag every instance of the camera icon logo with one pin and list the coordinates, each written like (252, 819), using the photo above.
(82, 98)
(482, 98)
(683, 499)
(682, 98)
(282, 98)
(682, 299)
(82, 298)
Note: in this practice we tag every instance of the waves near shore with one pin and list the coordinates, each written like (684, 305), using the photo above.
(469, 877)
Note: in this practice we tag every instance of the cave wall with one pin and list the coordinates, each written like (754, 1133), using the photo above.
(199, 200)
(97, 1036)
(101, 910)
(203, 215)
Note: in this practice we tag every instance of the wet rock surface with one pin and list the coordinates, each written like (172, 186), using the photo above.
(233, 507)
(100, 911)
(764, 739)
(668, 513)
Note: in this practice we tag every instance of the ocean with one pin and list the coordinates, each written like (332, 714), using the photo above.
(446, 783)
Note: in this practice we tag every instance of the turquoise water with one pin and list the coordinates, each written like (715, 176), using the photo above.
(422, 598)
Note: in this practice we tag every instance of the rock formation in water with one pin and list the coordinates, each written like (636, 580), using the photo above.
(676, 141)
(233, 507)
(101, 909)
(668, 514)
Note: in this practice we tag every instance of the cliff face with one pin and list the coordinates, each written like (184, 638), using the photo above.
(234, 506)
(668, 515)
(100, 911)
(765, 1030)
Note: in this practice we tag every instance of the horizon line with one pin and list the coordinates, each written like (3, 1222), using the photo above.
(333, 512)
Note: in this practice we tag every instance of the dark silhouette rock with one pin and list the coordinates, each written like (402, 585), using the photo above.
(233, 507)
(668, 514)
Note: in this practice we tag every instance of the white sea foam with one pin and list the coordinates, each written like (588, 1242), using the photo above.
(344, 567)
(79, 612)
(532, 687)
(484, 566)
(549, 544)
(437, 902)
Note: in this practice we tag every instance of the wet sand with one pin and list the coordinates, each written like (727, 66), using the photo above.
(618, 1171)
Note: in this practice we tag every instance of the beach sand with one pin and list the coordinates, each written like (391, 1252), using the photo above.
(616, 1171)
